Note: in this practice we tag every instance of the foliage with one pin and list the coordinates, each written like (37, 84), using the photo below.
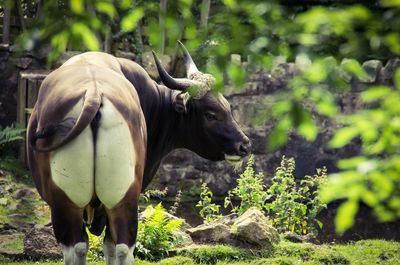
(156, 233)
(10, 134)
(148, 194)
(208, 211)
(373, 177)
(174, 208)
(295, 207)
(250, 190)
(95, 252)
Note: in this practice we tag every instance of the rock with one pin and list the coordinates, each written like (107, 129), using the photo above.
(372, 68)
(213, 232)
(295, 238)
(126, 55)
(23, 63)
(40, 243)
(254, 227)
(22, 193)
(11, 247)
(150, 66)
(387, 73)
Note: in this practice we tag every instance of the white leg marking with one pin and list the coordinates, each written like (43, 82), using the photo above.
(80, 250)
(75, 255)
(115, 156)
(124, 254)
(109, 252)
(72, 167)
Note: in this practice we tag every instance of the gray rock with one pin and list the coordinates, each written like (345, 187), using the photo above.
(213, 232)
(387, 73)
(254, 228)
(23, 63)
(40, 243)
(372, 68)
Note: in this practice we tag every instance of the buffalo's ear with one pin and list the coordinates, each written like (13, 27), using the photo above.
(179, 102)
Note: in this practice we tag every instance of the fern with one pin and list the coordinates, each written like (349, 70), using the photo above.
(156, 233)
(10, 134)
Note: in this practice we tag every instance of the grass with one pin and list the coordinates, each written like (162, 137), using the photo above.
(363, 252)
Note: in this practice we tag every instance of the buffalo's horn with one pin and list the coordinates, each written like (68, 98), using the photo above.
(190, 65)
(173, 83)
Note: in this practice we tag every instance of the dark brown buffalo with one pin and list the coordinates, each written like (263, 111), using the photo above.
(98, 133)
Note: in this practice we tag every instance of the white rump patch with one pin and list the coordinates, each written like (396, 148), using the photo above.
(71, 165)
(115, 156)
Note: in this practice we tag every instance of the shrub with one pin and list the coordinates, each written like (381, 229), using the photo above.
(10, 134)
(294, 207)
(250, 190)
(208, 211)
(155, 233)
(95, 252)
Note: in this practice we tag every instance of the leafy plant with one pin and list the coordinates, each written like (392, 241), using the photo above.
(294, 207)
(148, 194)
(172, 210)
(10, 134)
(208, 211)
(156, 233)
(250, 190)
(95, 252)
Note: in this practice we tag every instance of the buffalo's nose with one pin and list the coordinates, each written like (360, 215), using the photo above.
(244, 147)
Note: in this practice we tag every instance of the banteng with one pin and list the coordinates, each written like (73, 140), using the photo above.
(98, 133)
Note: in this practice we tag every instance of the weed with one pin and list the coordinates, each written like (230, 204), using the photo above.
(208, 211)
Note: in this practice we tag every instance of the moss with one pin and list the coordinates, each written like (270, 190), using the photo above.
(330, 257)
(177, 260)
(289, 249)
(212, 254)
(13, 243)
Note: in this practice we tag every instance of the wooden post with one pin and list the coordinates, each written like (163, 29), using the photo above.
(6, 25)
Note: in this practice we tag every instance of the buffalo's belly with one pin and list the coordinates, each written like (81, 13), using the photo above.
(115, 156)
(72, 165)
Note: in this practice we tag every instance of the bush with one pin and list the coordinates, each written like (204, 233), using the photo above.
(294, 207)
(155, 233)
(95, 252)
(208, 211)
(250, 190)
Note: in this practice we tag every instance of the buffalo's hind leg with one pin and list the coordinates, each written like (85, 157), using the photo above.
(70, 233)
(123, 221)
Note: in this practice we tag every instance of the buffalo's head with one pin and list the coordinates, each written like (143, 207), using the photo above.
(215, 133)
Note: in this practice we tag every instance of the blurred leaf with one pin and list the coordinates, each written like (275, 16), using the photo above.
(343, 136)
(129, 22)
(346, 215)
(390, 3)
(316, 72)
(77, 6)
(89, 38)
(393, 41)
(375, 93)
(307, 128)
(237, 74)
(279, 134)
(353, 67)
(397, 78)
(107, 8)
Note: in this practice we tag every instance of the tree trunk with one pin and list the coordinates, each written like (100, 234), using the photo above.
(21, 15)
(205, 10)
(163, 13)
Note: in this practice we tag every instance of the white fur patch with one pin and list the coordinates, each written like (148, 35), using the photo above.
(75, 255)
(72, 164)
(124, 254)
(115, 156)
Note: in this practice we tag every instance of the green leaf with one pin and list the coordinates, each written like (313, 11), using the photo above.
(77, 6)
(343, 136)
(375, 93)
(316, 72)
(107, 8)
(345, 216)
(353, 67)
(390, 3)
(307, 128)
(279, 134)
(129, 22)
(89, 38)
(397, 78)
(237, 75)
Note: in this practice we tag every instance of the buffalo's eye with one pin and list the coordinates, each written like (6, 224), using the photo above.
(211, 116)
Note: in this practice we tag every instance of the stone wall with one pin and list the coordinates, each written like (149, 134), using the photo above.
(185, 170)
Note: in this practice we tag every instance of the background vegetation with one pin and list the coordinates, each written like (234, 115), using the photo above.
(259, 31)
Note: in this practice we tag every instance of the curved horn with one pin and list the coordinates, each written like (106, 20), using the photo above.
(173, 83)
(190, 65)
